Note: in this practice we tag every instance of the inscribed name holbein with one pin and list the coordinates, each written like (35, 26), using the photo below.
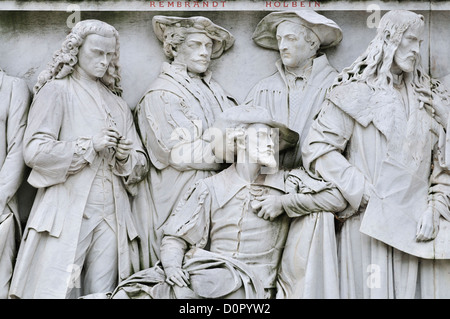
(292, 4)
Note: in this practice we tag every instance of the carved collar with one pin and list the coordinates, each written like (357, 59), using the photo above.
(398, 80)
(83, 77)
(181, 68)
(303, 74)
(318, 63)
(228, 183)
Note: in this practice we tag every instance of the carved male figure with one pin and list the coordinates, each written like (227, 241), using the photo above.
(217, 242)
(85, 155)
(172, 116)
(293, 95)
(14, 103)
(244, 249)
(375, 140)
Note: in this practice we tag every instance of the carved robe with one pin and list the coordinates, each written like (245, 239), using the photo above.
(302, 275)
(229, 246)
(381, 144)
(64, 116)
(174, 113)
(14, 103)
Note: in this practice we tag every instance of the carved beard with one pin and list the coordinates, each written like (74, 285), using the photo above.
(262, 156)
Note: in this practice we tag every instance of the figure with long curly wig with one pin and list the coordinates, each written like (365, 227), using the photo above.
(378, 139)
(85, 158)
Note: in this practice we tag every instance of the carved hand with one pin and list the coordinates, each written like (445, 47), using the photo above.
(177, 276)
(292, 185)
(435, 107)
(123, 150)
(269, 206)
(108, 137)
(428, 225)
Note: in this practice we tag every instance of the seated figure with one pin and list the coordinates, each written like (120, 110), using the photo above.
(217, 243)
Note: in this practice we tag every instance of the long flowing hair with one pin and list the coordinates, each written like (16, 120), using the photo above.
(65, 59)
(373, 67)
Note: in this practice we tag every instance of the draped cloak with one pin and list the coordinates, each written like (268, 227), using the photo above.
(382, 144)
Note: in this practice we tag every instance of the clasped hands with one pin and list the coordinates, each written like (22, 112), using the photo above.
(111, 138)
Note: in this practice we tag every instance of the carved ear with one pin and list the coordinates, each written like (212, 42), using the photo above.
(387, 35)
(315, 44)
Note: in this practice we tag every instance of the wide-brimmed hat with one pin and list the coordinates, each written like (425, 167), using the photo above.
(328, 32)
(222, 39)
(239, 116)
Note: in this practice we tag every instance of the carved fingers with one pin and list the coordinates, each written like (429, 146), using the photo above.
(111, 138)
(268, 207)
(124, 147)
(428, 226)
(107, 138)
(177, 276)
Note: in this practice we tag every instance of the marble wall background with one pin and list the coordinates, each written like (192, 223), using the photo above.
(30, 31)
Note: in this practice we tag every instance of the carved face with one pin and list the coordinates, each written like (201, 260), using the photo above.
(294, 48)
(195, 52)
(408, 50)
(261, 148)
(95, 54)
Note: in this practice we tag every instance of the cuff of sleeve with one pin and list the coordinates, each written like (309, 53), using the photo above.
(440, 205)
(85, 148)
(292, 206)
(124, 167)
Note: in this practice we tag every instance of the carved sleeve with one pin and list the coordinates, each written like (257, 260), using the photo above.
(312, 196)
(323, 153)
(190, 220)
(136, 166)
(174, 136)
(12, 170)
(439, 192)
(51, 160)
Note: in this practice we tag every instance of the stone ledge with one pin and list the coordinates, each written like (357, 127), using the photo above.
(210, 5)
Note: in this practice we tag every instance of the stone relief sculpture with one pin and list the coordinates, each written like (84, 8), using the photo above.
(86, 157)
(191, 199)
(14, 104)
(244, 250)
(172, 116)
(293, 95)
(378, 142)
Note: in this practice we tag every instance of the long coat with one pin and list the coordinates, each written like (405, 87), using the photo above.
(311, 242)
(381, 144)
(65, 113)
(14, 103)
(174, 111)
